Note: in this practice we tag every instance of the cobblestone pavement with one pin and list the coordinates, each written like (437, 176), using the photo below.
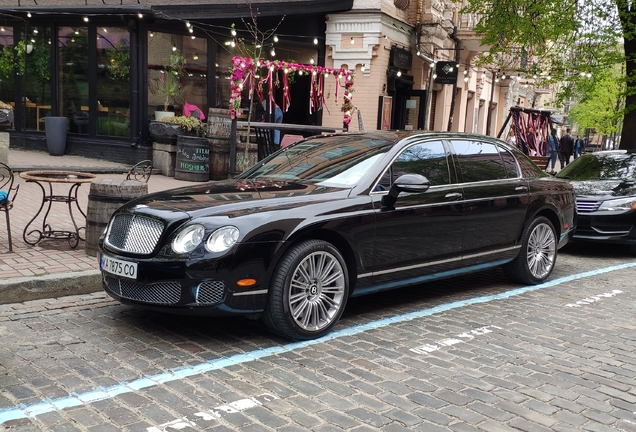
(475, 353)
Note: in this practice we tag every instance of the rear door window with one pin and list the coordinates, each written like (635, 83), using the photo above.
(479, 161)
(429, 159)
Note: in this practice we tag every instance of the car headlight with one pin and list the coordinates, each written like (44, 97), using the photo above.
(188, 238)
(222, 239)
(622, 204)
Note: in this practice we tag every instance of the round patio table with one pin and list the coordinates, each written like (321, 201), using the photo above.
(75, 180)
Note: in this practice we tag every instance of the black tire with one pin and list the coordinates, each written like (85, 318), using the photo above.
(538, 253)
(632, 249)
(307, 309)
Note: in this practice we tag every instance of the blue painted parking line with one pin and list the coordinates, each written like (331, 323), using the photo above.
(102, 393)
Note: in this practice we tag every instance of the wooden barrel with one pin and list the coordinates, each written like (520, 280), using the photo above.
(193, 159)
(219, 132)
(106, 196)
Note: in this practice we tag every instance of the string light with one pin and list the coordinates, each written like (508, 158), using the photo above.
(28, 14)
(85, 19)
(275, 38)
(174, 47)
(152, 34)
(315, 41)
(187, 23)
(233, 32)
(193, 37)
(140, 15)
(195, 56)
(311, 61)
(503, 77)
(352, 41)
(273, 52)
(399, 73)
(363, 67)
(465, 79)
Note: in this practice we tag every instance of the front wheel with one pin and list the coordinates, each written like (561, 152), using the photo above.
(538, 253)
(308, 292)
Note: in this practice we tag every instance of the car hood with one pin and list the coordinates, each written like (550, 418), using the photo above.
(232, 198)
(604, 188)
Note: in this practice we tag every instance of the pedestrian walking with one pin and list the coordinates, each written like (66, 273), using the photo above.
(553, 140)
(567, 147)
(578, 146)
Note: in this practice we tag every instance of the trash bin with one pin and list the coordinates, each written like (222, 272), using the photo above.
(55, 135)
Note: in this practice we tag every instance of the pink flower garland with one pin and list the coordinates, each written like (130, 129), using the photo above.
(243, 71)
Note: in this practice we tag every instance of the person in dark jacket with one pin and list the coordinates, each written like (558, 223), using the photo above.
(567, 147)
(578, 147)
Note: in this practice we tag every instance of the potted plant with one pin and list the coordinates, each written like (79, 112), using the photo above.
(168, 84)
(168, 129)
(6, 116)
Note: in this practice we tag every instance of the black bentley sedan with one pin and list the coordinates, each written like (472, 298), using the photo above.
(331, 217)
(605, 190)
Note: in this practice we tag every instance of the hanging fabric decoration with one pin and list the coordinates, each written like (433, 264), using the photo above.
(244, 70)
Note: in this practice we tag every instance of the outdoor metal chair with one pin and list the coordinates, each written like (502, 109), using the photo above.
(6, 185)
(141, 171)
(265, 142)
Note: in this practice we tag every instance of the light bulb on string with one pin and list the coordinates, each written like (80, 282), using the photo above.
(85, 19)
(193, 37)
(187, 23)
(140, 15)
(399, 73)
(174, 47)
(363, 67)
(233, 32)
(273, 52)
(29, 15)
(275, 38)
(503, 77)
(311, 61)
(352, 41)
(315, 41)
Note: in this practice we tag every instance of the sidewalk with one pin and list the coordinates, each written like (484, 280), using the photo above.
(52, 268)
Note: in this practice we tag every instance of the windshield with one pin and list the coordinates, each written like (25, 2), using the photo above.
(337, 161)
(608, 166)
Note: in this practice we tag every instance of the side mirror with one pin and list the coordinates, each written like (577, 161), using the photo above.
(405, 183)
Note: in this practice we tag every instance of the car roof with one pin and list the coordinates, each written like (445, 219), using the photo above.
(394, 136)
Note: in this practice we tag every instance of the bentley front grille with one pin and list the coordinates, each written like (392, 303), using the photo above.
(164, 293)
(210, 292)
(134, 233)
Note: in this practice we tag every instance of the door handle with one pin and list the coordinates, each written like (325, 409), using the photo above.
(454, 196)
(521, 189)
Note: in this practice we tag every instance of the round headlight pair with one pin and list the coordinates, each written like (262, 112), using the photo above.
(191, 236)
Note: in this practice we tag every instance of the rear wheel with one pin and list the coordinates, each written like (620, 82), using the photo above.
(309, 291)
(538, 253)
(632, 249)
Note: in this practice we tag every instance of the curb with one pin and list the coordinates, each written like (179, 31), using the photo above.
(18, 290)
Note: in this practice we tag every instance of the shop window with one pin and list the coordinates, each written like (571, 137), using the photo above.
(113, 81)
(177, 74)
(36, 75)
(73, 77)
(7, 60)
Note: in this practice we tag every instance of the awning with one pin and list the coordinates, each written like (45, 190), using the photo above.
(204, 10)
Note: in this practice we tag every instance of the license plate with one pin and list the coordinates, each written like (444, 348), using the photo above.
(118, 267)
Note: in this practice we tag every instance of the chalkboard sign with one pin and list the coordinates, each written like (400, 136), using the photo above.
(193, 159)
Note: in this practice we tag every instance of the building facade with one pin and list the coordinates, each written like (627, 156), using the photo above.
(110, 70)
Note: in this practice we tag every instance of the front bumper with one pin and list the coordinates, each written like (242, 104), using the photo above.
(607, 228)
(201, 287)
